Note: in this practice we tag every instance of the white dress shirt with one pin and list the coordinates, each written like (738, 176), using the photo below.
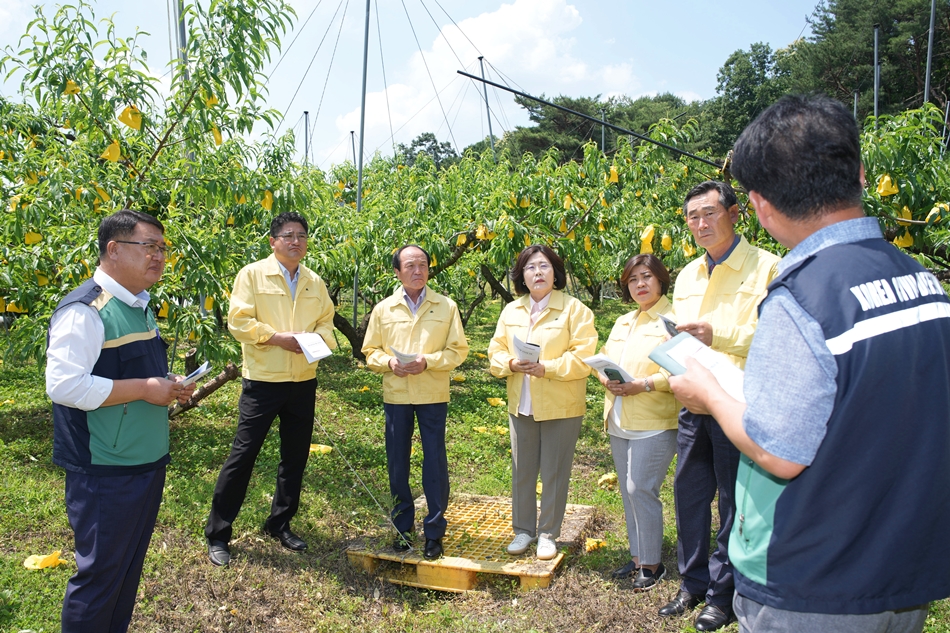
(537, 307)
(76, 336)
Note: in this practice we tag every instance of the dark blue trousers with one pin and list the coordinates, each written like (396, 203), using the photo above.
(260, 403)
(400, 426)
(112, 519)
(707, 463)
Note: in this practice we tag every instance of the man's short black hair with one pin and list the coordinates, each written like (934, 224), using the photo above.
(802, 155)
(727, 196)
(121, 224)
(397, 263)
(286, 218)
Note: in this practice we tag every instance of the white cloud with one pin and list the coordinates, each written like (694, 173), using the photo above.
(14, 15)
(531, 41)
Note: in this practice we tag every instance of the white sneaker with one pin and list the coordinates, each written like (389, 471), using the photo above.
(547, 548)
(520, 544)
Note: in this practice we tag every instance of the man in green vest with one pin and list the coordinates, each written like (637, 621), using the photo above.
(107, 375)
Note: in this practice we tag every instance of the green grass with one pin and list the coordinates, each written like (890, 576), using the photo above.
(269, 589)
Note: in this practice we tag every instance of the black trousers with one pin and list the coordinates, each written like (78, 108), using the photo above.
(708, 463)
(260, 403)
(400, 425)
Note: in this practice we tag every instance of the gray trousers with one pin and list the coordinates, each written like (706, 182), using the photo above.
(758, 618)
(641, 467)
(546, 447)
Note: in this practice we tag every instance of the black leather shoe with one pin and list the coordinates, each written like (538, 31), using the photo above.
(433, 548)
(713, 618)
(647, 579)
(219, 553)
(683, 602)
(403, 543)
(287, 538)
(626, 571)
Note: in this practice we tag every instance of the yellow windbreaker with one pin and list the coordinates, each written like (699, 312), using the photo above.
(729, 299)
(261, 307)
(565, 331)
(648, 411)
(435, 332)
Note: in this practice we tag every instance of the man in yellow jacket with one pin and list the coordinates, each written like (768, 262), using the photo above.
(715, 299)
(273, 299)
(415, 338)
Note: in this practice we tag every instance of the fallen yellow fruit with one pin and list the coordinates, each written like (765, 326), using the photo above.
(320, 448)
(37, 561)
(496, 402)
(594, 543)
(608, 481)
(458, 378)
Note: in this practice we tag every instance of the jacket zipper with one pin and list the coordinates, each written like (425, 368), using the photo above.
(125, 410)
(745, 496)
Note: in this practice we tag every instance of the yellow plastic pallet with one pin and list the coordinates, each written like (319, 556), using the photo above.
(479, 530)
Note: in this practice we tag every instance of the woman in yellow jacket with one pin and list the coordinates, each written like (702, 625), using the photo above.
(546, 399)
(641, 416)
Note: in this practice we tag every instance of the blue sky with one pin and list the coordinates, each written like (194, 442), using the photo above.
(570, 47)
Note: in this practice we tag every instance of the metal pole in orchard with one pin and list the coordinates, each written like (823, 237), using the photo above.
(930, 49)
(877, 73)
(491, 138)
(353, 144)
(359, 170)
(306, 136)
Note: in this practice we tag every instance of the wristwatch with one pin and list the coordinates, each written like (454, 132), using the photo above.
(646, 385)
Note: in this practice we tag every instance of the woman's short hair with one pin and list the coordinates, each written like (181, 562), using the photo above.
(653, 264)
(517, 271)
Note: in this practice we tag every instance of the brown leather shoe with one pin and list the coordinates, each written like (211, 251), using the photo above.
(683, 602)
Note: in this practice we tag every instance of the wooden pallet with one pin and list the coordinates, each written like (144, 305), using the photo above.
(479, 530)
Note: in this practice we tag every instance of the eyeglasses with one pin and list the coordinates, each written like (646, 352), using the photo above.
(151, 248)
(290, 237)
(541, 268)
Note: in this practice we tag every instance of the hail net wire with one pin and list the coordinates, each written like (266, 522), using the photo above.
(444, 36)
(312, 59)
(428, 72)
(457, 101)
(382, 62)
(326, 81)
(293, 41)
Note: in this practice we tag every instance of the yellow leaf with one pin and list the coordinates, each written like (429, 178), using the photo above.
(563, 227)
(886, 186)
(594, 543)
(904, 213)
(268, 201)
(72, 88)
(209, 303)
(112, 153)
(461, 240)
(210, 101)
(587, 244)
(496, 402)
(904, 240)
(163, 311)
(363, 389)
(608, 481)
(217, 134)
(568, 201)
(614, 176)
(458, 378)
(666, 242)
(525, 202)
(32, 238)
(688, 249)
(481, 429)
(646, 239)
(37, 561)
(131, 117)
(323, 449)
